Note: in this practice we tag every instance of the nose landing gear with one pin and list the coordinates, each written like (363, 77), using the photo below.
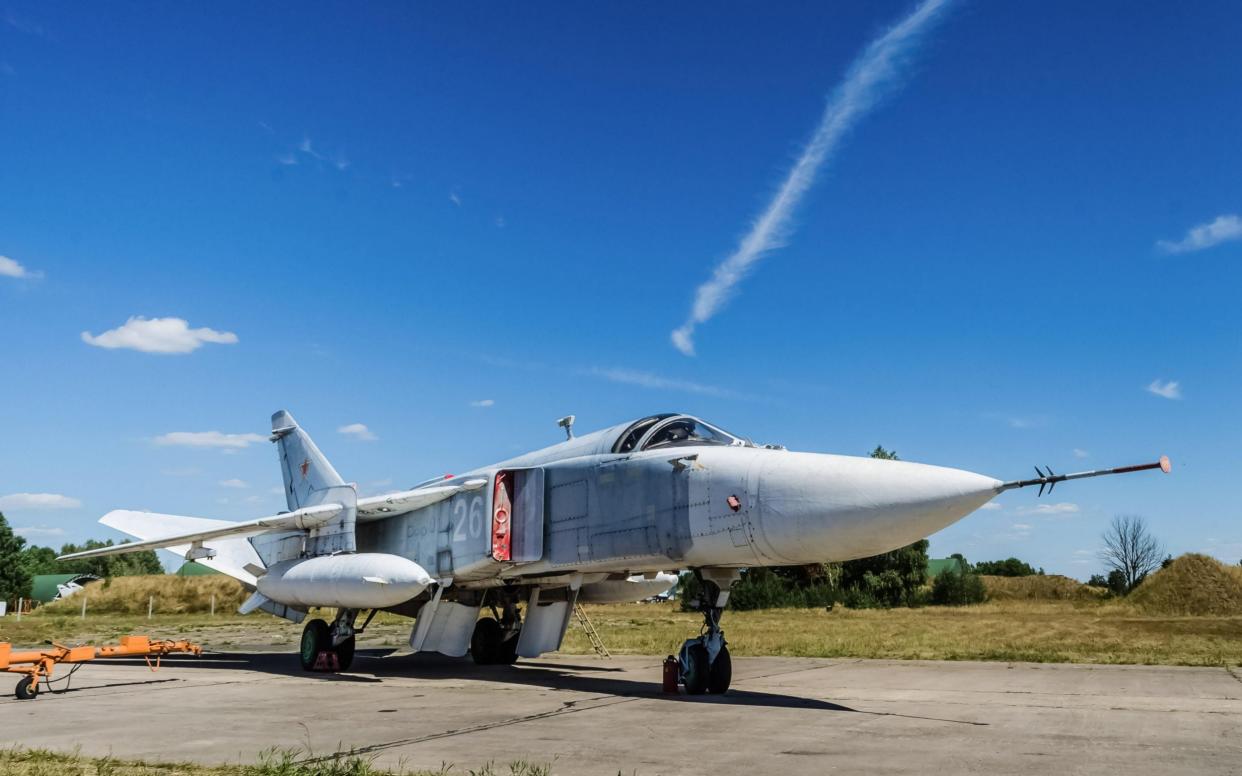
(704, 664)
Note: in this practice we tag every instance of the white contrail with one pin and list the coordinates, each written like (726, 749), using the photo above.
(862, 88)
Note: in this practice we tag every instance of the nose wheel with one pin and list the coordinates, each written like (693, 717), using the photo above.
(704, 664)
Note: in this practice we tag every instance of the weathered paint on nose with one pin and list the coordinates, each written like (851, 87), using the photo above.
(814, 508)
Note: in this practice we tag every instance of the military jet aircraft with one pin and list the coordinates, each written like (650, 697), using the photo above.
(596, 518)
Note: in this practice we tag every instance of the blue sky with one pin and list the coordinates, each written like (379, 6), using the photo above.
(454, 224)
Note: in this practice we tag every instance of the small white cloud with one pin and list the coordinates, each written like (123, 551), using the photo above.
(650, 380)
(500, 222)
(1169, 389)
(12, 268)
(38, 501)
(1021, 527)
(34, 531)
(456, 200)
(1062, 508)
(233, 483)
(991, 506)
(1224, 229)
(307, 148)
(158, 335)
(1080, 453)
(208, 439)
(358, 431)
(1084, 552)
(1017, 421)
(483, 403)
(287, 160)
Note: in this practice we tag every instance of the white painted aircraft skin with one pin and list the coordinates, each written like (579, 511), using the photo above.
(362, 580)
(579, 520)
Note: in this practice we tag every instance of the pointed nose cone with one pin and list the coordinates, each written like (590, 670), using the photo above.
(828, 507)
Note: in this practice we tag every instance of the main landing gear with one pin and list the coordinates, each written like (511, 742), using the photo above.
(331, 648)
(495, 638)
(704, 665)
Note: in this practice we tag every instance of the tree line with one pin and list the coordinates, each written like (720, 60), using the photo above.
(21, 562)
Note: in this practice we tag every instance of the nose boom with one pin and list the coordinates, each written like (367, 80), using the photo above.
(815, 508)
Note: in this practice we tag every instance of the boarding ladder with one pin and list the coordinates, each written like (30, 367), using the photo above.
(584, 622)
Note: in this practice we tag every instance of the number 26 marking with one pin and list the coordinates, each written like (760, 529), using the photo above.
(468, 517)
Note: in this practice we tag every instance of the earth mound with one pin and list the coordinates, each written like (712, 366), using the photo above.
(1192, 585)
(1039, 587)
(173, 595)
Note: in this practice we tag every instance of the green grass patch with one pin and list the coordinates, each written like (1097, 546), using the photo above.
(277, 762)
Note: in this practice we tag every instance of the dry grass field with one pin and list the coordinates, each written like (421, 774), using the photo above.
(1038, 631)
(1188, 614)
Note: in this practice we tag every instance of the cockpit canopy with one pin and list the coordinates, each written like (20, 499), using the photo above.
(672, 430)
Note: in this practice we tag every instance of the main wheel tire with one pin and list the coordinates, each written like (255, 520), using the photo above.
(508, 651)
(485, 643)
(316, 637)
(721, 673)
(698, 670)
(26, 689)
(345, 653)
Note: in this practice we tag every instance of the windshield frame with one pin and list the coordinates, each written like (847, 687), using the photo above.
(645, 441)
(642, 424)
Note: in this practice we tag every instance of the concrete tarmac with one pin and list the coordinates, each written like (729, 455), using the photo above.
(595, 716)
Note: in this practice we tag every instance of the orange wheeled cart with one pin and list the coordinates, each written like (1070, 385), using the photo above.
(37, 665)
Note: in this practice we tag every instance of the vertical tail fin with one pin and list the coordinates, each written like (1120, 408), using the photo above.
(311, 480)
(308, 475)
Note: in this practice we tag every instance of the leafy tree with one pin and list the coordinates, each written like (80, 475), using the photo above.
(891, 579)
(1098, 580)
(1168, 561)
(764, 588)
(1117, 582)
(958, 587)
(39, 560)
(14, 579)
(1129, 548)
(130, 564)
(1010, 567)
(887, 455)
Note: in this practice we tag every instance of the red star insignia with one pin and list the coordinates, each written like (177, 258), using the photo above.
(305, 467)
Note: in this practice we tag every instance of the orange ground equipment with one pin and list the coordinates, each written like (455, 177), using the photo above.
(37, 664)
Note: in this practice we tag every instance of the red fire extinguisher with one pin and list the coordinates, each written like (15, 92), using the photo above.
(671, 669)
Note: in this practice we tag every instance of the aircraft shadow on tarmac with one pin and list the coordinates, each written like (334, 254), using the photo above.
(373, 665)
